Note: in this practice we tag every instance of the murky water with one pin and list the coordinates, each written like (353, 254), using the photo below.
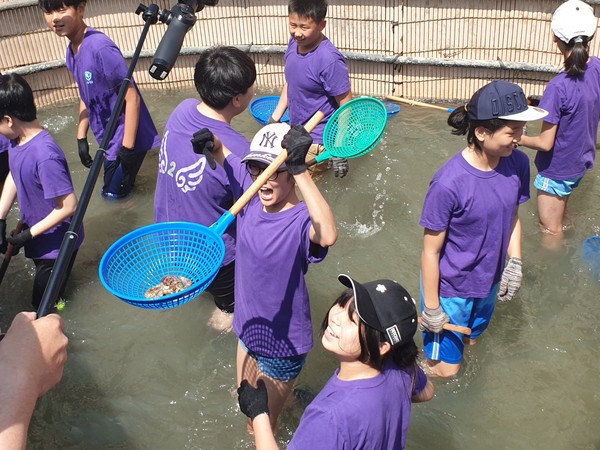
(139, 379)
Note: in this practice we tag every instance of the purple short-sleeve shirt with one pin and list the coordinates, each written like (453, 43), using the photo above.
(314, 79)
(574, 105)
(187, 188)
(41, 174)
(372, 413)
(273, 251)
(477, 210)
(99, 69)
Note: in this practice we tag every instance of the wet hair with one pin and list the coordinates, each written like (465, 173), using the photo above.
(54, 5)
(576, 63)
(311, 9)
(221, 73)
(16, 98)
(403, 355)
(459, 120)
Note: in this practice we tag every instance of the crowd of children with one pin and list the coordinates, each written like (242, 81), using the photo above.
(472, 233)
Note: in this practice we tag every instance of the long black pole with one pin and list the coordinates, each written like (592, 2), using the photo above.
(67, 247)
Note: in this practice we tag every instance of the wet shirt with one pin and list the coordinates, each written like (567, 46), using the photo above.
(365, 414)
(39, 169)
(187, 189)
(314, 79)
(477, 210)
(99, 69)
(574, 105)
(273, 251)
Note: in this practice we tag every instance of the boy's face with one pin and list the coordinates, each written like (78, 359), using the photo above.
(305, 31)
(66, 21)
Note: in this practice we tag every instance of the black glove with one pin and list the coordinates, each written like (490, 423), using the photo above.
(127, 156)
(83, 147)
(340, 166)
(203, 143)
(18, 240)
(253, 401)
(297, 141)
(3, 242)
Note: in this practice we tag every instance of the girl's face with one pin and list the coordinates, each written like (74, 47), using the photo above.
(277, 192)
(342, 334)
(66, 21)
(306, 32)
(501, 142)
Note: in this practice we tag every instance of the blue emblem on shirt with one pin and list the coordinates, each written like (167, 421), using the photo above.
(88, 77)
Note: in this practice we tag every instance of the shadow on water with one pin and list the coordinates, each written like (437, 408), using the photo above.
(139, 379)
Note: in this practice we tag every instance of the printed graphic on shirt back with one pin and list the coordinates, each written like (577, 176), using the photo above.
(186, 178)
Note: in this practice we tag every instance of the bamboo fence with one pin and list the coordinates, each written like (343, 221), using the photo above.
(420, 49)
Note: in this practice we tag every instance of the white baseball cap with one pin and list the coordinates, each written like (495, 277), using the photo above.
(266, 144)
(573, 18)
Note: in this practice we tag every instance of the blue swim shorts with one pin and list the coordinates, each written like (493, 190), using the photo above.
(471, 312)
(282, 369)
(560, 188)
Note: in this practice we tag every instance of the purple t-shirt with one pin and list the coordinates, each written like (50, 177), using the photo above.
(273, 251)
(314, 79)
(477, 210)
(4, 143)
(372, 413)
(574, 105)
(99, 69)
(187, 188)
(41, 174)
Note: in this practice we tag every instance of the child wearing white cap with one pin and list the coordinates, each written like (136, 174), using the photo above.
(471, 223)
(278, 236)
(566, 145)
(366, 404)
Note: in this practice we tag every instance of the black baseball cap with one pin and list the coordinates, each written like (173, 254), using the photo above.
(386, 306)
(502, 100)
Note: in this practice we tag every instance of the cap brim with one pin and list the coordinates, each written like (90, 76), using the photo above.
(531, 113)
(260, 157)
(362, 301)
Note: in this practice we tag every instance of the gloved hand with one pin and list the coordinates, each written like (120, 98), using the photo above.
(297, 141)
(127, 156)
(203, 143)
(3, 242)
(83, 147)
(253, 401)
(18, 240)
(433, 320)
(512, 276)
(340, 166)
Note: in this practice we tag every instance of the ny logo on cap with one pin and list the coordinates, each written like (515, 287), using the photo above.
(268, 139)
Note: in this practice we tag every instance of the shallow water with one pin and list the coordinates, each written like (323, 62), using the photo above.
(139, 379)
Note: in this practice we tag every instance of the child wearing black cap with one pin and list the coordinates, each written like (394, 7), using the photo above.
(566, 145)
(471, 222)
(367, 402)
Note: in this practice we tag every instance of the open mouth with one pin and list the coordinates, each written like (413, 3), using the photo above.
(266, 194)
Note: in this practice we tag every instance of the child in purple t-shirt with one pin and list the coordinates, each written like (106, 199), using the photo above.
(567, 143)
(366, 404)
(315, 72)
(186, 189)
(471, 222)
(41, 182)
(99, 69)
(278, 236)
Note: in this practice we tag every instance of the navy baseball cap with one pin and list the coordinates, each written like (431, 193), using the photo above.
(386, 306)
(502, 100)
